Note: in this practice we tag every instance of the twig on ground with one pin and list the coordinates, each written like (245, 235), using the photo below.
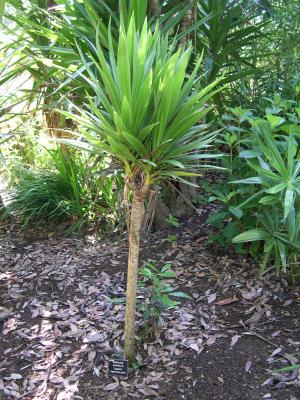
(292, 360)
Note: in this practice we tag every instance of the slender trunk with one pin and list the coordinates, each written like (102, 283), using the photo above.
(189, 19)
(55, 125)
(136, 221)
(153, 8)
(1, 204)
(53, 121)
(3, 214)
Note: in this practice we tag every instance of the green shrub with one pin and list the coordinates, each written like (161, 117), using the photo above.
(260, 202)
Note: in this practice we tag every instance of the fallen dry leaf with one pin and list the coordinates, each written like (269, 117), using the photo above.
(111, 386)
(228, 300)
(248, 366)
(211, 298)
(234, 340)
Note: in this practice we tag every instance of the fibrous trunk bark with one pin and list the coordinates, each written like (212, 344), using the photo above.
(136, 222)
(1, 203)
(176, 199)
(153, 7)
(2, 209)
(189, 19)
(55, 125)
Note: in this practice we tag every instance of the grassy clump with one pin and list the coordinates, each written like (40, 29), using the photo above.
(70, 191)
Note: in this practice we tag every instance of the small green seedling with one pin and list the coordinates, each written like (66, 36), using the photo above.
(172, 239)
(173, 221)
(155, 283)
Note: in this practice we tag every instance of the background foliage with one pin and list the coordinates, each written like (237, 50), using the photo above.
(48, 73)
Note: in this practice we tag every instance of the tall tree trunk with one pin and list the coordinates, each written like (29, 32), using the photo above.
(189, 19)
(154, 7)
(56, 125)
(2, 208)
(136, 222)
(53, 121)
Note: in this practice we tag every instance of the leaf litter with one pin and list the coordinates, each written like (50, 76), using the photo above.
(62, 314)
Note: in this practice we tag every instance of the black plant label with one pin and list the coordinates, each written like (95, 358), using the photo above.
(118, 366)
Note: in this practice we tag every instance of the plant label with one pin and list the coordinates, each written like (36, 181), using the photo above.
(118, 365)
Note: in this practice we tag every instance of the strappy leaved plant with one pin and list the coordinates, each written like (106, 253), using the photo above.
(146, 115)
(277, 167)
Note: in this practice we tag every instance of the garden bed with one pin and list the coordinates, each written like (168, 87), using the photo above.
(62, 313)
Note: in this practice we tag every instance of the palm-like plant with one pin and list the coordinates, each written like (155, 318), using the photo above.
(45, 37)
(148, 117)
(229, 39)
(27, 58)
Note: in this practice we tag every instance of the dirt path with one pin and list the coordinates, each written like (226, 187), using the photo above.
(59, 319)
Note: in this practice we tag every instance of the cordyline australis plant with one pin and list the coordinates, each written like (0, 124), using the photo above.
(146, 115)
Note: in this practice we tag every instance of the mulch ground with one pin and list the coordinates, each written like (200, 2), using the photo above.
(62, 312)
